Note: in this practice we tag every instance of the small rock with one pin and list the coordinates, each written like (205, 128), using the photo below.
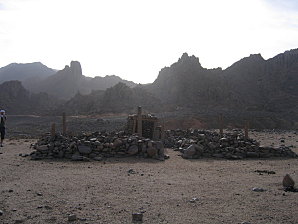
(97, 158)
(1, 212)
(257, 189)
(42, 148)
(288, 182)
(193, 200)
(84, 149)
(137, 217)
(76, 157)
(152, 152)
(189, 152)
(133, 149)
(72, 218)
(252, 155)
(131, 171)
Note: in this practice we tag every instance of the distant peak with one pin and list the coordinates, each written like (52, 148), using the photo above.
(185, 58)
(76, 68)
(184, 55)
(256, 56)
(111, 76)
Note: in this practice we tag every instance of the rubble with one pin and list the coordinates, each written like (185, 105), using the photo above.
(194, 144)
(96, 146)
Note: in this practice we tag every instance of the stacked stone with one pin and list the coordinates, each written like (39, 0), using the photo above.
(96, 146)
(195, 144)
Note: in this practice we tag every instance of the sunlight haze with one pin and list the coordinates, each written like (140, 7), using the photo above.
(135, 39)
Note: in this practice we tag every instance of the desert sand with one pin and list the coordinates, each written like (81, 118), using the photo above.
(171, 191)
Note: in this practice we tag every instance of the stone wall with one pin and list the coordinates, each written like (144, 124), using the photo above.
(96, 146)
(194, 144)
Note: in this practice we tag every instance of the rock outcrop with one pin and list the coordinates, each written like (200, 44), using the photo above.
(117, 99)
(66, 83)
(15, 99)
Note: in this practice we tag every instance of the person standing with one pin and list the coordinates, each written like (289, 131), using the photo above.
(2, 126)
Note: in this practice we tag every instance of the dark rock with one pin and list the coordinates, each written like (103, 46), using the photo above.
(152, 152)
(133, 150)
(77, 157)
(257, 189)
(288, 182)
(84, 149)
(252, 155)
(72, 218)
(137, 217)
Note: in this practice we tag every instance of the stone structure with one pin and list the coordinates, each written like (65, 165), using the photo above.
(145, 125)
(96, 146)
(194, 144)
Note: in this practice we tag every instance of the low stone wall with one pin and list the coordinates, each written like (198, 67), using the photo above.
(195, 144)
(96, 146)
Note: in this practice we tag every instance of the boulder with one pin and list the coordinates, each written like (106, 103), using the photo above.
(133, 149)
(288, 182)
(199, 148)
(152, 152)
(190, 151)
(42, 148)
(252, 155)
(84, 149)
(117, 142)
(77, 157)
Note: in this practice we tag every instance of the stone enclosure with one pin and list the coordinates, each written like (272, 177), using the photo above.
(136, 140)
(194, 144)
(96, 146)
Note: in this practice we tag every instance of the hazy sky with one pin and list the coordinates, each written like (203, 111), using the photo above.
(134, 39)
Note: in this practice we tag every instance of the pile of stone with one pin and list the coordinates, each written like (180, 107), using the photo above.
(195, 144)
(96, 146)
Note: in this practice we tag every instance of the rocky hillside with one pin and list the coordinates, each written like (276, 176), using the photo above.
(251, 88)
(187, 83)
(249, 84)
(62, 84)
(117, 99)
(30, 72)
(69, 81)
(15, 99)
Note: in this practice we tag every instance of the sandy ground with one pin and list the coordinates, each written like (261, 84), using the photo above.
(105, 192)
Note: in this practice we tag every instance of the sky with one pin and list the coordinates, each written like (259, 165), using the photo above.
(135, 39)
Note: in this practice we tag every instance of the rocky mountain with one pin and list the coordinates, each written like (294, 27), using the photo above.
(187, 83)
(117, 99)
(251, 87)
(29, 72)
(252, 83)
(62, 84)
(67, 82)
(265, 85)
(15, 99)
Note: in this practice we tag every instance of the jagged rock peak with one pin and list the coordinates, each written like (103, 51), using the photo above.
(185, 58)
(256, 57)
(76, 68)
